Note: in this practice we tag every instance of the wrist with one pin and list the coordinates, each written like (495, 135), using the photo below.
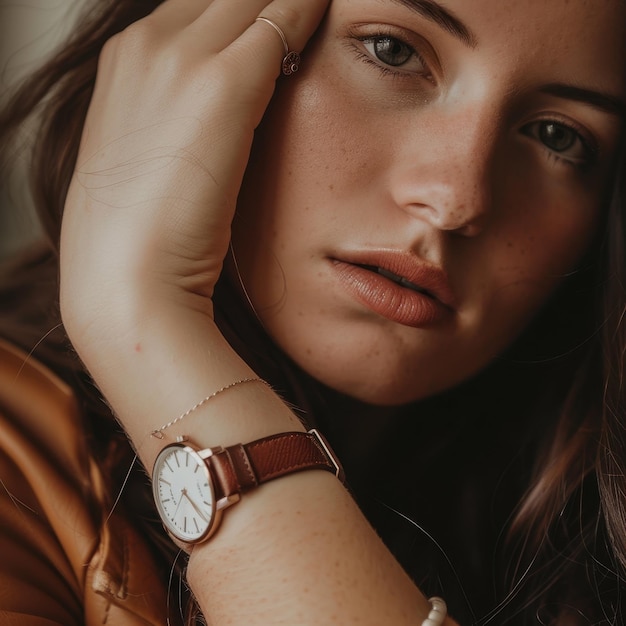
(166, 364)
(194, 486)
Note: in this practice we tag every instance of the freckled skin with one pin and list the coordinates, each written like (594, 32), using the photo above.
(350, 158)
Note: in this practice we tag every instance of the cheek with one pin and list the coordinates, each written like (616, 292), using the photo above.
(542, 221)
(324, 143)
(310, 154)
(532, 256)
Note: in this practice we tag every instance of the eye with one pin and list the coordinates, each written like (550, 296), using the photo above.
(558, 137)
(561, 139)
(389, 50)
(393, 52)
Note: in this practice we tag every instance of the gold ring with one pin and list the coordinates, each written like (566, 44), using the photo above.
(291, 60)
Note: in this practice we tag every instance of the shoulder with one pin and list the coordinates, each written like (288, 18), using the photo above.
(62, 552)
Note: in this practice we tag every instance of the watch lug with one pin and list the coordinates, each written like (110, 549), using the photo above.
(208, 452)
(225, 502)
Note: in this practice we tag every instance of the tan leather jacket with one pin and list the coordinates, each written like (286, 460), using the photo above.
(59, 562)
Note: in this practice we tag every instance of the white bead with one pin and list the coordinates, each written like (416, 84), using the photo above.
(438, 612)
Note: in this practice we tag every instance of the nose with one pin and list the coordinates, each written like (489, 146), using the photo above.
(444, 170)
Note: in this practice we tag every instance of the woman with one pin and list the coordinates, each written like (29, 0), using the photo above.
(424, 260)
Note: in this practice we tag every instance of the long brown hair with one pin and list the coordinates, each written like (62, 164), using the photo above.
(578, 488)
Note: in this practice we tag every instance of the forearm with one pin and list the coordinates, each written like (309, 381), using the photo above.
(296, 550)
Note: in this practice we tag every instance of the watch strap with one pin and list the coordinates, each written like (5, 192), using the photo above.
(242, 467)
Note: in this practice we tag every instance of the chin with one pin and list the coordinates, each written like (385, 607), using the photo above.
(372, 390)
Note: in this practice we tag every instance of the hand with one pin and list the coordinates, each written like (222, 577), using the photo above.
(164, 149)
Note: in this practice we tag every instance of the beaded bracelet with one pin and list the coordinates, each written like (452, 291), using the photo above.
(438, 612)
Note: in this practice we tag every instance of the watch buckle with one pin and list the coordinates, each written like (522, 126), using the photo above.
(339, 473)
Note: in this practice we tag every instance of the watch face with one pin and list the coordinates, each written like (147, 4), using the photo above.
(183, 492)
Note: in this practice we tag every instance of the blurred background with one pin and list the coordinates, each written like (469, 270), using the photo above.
(29, 31)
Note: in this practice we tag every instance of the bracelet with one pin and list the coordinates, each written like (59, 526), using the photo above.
(158, 432)
(438, 612)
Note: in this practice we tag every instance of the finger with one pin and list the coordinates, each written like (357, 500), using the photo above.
(258, 53)
(297, 19)
(236, 16)
(224, 21)
(173, 15)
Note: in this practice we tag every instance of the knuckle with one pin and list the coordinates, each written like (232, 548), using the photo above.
(109, 49)
(140, 48)
(138, 39)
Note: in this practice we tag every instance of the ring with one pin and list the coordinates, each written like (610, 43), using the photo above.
(291, 60)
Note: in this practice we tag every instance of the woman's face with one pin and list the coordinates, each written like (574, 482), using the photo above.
(422, 185)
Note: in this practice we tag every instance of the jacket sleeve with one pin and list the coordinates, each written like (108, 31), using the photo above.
(63, 559)
(46, 533)
(37, 583)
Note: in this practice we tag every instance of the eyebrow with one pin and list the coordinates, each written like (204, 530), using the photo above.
(597, 99)
(442, 17)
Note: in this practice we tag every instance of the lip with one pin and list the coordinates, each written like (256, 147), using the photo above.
(427, 301)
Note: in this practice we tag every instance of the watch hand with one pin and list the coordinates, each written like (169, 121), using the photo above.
(180, 500)
(196, 507)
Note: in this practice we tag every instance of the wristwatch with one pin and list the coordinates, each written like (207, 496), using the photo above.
(192, 487)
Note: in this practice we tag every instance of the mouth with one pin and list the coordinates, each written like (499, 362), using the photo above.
(396, 278)
(396, 285)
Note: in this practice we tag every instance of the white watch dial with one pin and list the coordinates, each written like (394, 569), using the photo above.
(183, 492)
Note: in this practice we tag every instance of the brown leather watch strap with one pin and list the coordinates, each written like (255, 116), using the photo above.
(242, 467)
